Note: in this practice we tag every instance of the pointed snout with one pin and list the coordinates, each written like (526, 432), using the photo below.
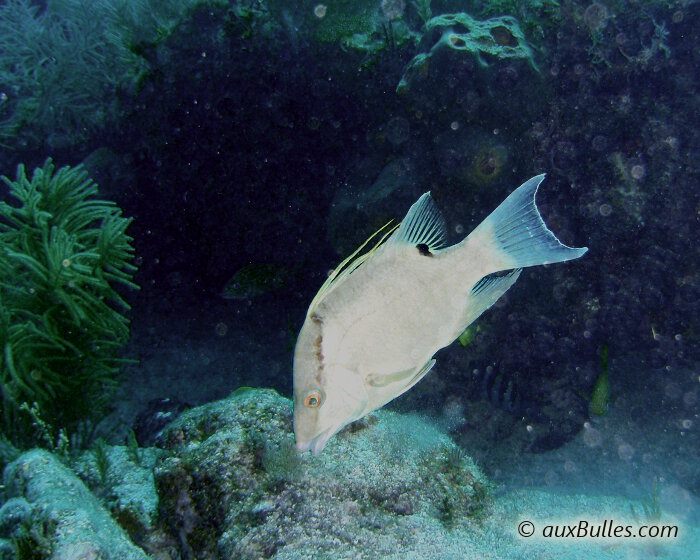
(316, 444)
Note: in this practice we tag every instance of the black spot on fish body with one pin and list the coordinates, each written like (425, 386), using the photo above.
(424, 250)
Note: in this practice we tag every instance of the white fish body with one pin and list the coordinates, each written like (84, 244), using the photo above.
(373, 328)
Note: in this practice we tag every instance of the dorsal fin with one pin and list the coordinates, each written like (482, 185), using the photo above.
(423, 225)
(350, 264)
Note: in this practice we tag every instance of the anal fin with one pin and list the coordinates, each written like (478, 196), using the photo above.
(485, 293)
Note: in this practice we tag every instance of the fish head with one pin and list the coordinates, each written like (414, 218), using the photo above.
(327, 397)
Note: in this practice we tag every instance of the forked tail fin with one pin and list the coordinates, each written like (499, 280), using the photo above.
(516, 234)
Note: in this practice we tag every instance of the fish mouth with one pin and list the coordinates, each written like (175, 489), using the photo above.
(316, 443)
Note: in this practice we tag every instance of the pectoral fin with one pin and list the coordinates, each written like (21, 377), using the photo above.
(384, 388)
(422, 372)
(407, 377)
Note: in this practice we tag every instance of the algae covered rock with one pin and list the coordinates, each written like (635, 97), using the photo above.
(484, 67)
(331, 21)
(53, 514)
(230, 484)
(122, 478)
(363, 25)
(234, 486)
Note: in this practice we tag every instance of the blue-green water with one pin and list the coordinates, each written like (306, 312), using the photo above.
(256, 144)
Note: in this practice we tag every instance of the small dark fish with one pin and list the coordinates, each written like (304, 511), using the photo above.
(256, 279)
(500, 390)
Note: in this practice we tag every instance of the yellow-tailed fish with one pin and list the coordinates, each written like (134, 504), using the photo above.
(372, 330)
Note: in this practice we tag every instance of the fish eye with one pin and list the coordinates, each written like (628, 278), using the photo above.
(312, 399)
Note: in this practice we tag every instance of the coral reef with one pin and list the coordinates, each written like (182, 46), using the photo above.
(121, 477)
(246, 130)
(365, 26)
(492, 56)
(54, 514)
(229, 484)
(232, 485)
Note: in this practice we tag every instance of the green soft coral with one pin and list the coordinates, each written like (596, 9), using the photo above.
(63, 252)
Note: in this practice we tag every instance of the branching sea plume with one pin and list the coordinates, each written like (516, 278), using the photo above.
(63, 253)
(62, 69)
